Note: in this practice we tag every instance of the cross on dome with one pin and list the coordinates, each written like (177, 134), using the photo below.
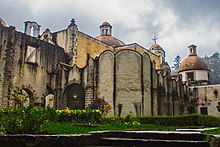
(155, 39)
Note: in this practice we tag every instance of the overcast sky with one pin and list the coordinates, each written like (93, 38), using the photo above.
(177, 23)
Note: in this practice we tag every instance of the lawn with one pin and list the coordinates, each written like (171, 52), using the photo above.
(70, 128)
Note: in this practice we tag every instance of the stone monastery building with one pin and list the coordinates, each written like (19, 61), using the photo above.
(69, 68)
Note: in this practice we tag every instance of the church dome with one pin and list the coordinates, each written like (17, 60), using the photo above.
(155, 46)
(112, 41)
(2, 22)
(193, 62)
(106, 36)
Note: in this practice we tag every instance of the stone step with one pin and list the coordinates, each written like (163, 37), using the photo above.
(159, 135)
(151, 142)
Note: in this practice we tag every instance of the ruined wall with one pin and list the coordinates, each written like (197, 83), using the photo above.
(6, 48)
(44, 71)
(32, 76)
(206, 96)
(67, 39)
(128, 81)
(74, 74)
(106, 78)
(63, 39)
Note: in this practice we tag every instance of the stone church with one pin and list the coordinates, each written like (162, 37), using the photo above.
(202, 95)
(69, 68)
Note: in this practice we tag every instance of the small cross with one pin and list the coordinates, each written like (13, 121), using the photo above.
(155, 39)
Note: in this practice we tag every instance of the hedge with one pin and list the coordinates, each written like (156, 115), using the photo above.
(181, 120)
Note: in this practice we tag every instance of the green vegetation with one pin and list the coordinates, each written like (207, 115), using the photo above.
(51, 121)
(182, 120)
(31, 120)
(70, 128)
(213, 131)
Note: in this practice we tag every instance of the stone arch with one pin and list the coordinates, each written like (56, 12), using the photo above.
(74, 96)
(128, 79)
(49, 98)
(31, 93)
(30, 99)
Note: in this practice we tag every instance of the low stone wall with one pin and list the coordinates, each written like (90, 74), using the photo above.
(108, 138)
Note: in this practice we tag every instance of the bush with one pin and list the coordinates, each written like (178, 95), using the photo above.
(30, 120)
(181, 120)
(22, 120)
(79, 116)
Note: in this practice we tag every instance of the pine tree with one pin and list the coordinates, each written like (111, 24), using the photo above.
(176, 63)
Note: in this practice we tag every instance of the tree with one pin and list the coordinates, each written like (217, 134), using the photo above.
(176, 62)
(213, 63)
(215, 55)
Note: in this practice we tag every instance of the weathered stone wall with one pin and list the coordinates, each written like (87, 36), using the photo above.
(43, 73)
(106, 78)
(154, 93)
(206, 96)
(147, 78)
(141, 50)
(6, 48)
(33, 77)
(88, 47)
(67, 39)
(128, 81)
(89, 93)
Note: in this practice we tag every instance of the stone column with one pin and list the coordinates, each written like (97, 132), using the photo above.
(89, 92)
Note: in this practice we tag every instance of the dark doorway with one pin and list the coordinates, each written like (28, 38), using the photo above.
(74, 95)
(204, 110)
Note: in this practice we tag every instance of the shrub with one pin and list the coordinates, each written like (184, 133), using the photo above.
(22, 120)
(101, 105)
(181, 120)
(30, 120)
(79, 116)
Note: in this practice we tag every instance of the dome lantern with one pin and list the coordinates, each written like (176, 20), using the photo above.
(105, 29)
(192, 50)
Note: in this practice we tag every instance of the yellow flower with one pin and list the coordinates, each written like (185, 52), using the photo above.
(67, 110)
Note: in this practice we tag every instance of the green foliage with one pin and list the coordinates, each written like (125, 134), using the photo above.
(33, 120)
(30, 120)
(212, 131)
(101, 105)
(79, 116)
(22, 120)
(182, 120)
(21, 97)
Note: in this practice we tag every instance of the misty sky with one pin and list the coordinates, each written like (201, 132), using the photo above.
(177, 23)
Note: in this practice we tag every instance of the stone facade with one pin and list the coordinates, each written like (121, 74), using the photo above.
(72, 69)
(205, 99)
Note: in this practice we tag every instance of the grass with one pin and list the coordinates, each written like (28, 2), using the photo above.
(70, 128)
(213, 131)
